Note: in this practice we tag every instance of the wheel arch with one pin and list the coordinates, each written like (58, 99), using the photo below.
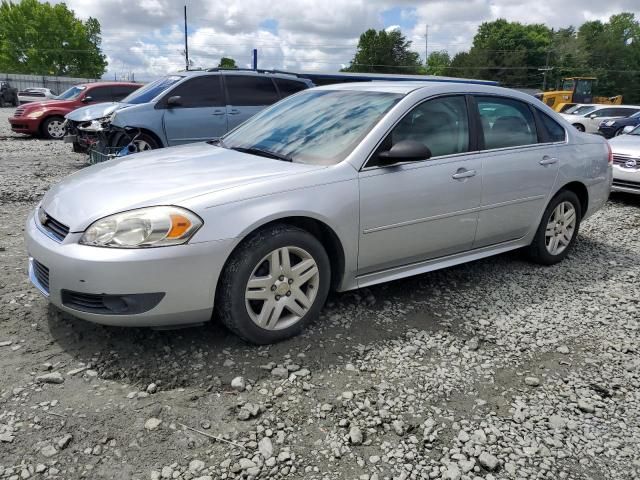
(325, 234)
(581, 192)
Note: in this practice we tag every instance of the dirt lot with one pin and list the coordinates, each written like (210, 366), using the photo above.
(498, 369)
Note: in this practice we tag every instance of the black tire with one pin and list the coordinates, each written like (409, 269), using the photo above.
(15, 101)
(121, 140)
(618, 132)
(579, 127)
(44, 128)
(231, 306)
(1, 101)
(537, 251)
(78, 148)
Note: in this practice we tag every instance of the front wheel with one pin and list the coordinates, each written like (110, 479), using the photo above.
(558, 229)
(274, 284)
(52, 128)
(140, 143)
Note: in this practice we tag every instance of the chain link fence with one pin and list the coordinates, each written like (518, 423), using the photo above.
(56, 84)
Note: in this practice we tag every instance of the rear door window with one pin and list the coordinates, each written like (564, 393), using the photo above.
(506, 122)
(289, 87)
(246, 90)
(203, 91)
(121, 91)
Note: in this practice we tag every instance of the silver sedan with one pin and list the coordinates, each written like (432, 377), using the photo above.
(626, 162)
(338, 187)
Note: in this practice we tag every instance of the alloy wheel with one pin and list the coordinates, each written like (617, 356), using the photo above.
(282, 288)
(561, 228)
(142, 145)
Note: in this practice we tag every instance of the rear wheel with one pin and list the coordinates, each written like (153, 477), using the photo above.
(579, 127)
(558, 229)
(274, 284)
(52, 128)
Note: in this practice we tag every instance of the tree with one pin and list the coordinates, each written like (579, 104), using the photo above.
(226, 62)
(384, 52)
(438, 63)
(43, 39)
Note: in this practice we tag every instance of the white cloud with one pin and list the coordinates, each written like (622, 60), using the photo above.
(145, 36)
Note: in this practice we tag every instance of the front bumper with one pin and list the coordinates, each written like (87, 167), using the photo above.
(186, 275)
(626, 179)
(607, 132)
(25, 125)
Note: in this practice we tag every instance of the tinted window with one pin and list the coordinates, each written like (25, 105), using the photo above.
(121, 91)
(197, 92)
(250, 90)
(506, 122)
(554, 131)
(623, 112)
(99, 94)
(289, 87)
(318, 127)
(441, 124)
(603, 112)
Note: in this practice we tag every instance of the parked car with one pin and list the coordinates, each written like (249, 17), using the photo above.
(46, 118)
(342, 187)
(614, 127)
(589, 119)
(182, 108)
(35, 94)
(626, 162)
(8, 94)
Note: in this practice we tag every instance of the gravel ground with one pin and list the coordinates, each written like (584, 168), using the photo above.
(498, 369)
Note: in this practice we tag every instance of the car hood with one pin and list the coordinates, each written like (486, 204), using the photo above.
(53, 103)
(92, 112)
(162, 177)
(626, 145)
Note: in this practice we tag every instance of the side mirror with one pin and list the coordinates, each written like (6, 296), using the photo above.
(592, 116)
(87, 99)
(174, 101)
(404, 151)
(628, 128)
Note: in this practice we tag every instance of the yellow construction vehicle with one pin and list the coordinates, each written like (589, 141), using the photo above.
(575, 90)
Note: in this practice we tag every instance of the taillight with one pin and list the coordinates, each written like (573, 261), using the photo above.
(610, 154)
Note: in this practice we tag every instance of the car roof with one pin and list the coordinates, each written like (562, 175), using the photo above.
(109, 84)
(429, 87)
(242, 71)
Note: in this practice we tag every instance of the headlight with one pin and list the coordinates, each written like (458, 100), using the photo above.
(107, 118)
(35, 114)
(145, 227)
(608, 123)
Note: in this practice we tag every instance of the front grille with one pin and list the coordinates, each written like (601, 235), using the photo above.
(626, 184)
(622, 160)
(19, 111)
(56, 229)
(41, 274)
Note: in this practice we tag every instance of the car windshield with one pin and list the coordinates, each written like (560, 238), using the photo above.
(635, 131)
(581, 110)
(151, 90)
(317, 127)
(71, 93)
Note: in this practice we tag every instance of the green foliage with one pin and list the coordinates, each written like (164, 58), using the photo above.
(226, 62)
(44, 39)
(385, 52)
(514, 54)
(438, 63)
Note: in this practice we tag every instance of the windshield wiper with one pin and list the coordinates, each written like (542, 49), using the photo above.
(263, 153)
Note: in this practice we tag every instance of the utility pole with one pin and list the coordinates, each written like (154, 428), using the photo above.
(186, 43)
(546, 69)
(426, 43)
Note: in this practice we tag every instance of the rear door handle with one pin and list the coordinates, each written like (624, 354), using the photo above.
(233, 111)
(218, 112)
(547, 160)
(463, 173)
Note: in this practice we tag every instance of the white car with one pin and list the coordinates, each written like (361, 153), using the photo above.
(35, 95)
(588, 118)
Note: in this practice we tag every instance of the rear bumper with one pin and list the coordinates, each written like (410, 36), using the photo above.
(176, 284)
(25, 125)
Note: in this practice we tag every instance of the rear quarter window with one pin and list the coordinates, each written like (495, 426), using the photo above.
(553, 130)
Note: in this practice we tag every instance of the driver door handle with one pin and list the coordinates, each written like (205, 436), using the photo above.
(218, 112)
(547, 160)
(233, 111)
(463, 173)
